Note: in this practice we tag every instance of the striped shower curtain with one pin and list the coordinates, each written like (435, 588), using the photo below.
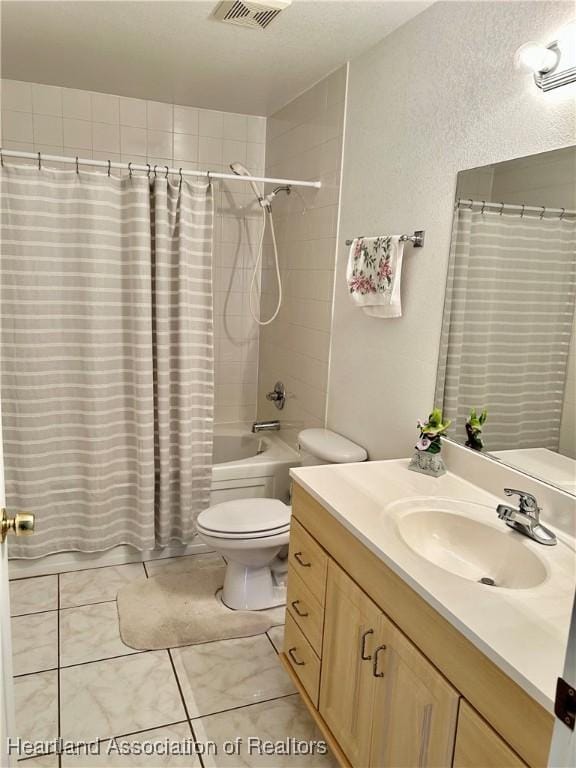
(106, 354)
(507, 326)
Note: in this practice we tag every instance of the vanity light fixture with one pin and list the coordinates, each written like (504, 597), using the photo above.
(554, 64)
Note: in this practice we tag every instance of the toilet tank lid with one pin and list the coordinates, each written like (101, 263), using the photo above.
(329, 446)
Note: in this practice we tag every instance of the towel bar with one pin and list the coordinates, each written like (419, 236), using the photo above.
(417, 239)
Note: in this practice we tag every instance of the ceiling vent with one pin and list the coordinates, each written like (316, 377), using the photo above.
(250, 13)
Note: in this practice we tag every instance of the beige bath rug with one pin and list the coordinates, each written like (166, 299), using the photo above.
(176, 609)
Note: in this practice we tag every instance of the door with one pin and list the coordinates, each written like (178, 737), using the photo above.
(354, 632)
(21, 524)
(415, 709)
(7, 717)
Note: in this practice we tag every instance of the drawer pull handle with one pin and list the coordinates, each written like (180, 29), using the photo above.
(298, 556)
(363, 654)
(295, 604)
(375, 661)
(293, 657)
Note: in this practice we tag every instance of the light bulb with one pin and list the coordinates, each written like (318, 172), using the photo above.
(535, 57)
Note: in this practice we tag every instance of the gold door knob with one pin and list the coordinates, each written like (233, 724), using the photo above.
(22, 524)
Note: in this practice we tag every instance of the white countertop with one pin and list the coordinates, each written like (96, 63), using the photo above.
(524, 631)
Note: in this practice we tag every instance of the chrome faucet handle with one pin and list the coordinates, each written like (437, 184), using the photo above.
(528, 503)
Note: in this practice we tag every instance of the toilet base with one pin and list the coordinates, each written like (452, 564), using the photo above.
(251, 588)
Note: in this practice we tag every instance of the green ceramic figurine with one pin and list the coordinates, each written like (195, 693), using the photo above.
(427, 458)
(474, 429)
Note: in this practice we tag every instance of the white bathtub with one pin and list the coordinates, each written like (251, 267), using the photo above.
(247, 465)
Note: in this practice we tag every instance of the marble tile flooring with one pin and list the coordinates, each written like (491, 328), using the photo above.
(76, 680)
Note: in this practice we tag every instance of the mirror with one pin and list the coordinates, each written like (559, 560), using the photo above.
(507, 343)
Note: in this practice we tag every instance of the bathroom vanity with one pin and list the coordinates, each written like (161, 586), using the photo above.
(401, 655)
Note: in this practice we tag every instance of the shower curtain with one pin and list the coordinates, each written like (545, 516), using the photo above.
(507, 326)
(106, 353)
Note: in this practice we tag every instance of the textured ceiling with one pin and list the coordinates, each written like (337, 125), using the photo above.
(175, 52)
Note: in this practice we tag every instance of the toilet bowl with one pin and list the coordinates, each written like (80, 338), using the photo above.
(251, 533)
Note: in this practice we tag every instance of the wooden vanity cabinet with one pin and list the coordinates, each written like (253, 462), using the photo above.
(389, 682)
(383, 701)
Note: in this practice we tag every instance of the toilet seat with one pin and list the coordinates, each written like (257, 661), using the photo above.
(245, 519)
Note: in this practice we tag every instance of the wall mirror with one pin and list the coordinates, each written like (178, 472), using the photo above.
(508, 335)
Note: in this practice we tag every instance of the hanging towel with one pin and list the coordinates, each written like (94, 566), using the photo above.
(373, 275)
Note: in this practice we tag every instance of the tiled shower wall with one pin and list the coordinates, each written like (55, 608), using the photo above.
(304, 140)
(53, 120)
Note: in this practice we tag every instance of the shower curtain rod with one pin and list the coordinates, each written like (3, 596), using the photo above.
(158, 170)
(541, 209)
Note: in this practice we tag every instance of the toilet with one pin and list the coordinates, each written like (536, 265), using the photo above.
(251, 533)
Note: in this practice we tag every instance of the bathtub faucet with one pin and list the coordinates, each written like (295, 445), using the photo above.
(265, 426)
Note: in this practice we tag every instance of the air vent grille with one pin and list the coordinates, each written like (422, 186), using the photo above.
(250, 13)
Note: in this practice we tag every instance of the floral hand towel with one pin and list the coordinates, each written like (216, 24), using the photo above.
(373, 275)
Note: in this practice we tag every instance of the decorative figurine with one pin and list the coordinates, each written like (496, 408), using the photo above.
(474, 429)
(427, 458)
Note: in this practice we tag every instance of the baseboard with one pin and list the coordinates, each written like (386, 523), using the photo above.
(20, 568)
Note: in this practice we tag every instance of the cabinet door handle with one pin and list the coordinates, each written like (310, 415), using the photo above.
(363, 655)
(375, 661)
(298, 556)
(293, 657)
(295, 604)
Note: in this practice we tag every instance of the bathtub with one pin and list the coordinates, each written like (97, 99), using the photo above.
(247, 465)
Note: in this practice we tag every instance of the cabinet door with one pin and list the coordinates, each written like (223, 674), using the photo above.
(347, 685)
(478, 746)
(415, 710)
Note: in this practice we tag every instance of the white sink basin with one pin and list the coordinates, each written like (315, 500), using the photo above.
(447, 533)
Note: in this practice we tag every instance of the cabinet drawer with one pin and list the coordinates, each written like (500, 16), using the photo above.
(302, 659)
(305, 610)
(309, 560)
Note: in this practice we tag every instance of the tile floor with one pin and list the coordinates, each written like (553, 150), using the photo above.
(75, 679)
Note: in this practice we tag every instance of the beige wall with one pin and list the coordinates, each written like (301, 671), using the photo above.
(438, 95)
(304, 140)
(53, 120)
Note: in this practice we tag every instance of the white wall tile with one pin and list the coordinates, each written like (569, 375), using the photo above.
(210, 123)
(209, 150)
(48, 130)
(105, 137)
(132, 140)
(234, 126)
(16, 96)
(159, 116)
(133, 112)
(17, 126)
(160, 143)
(105, 108)
(185, 120)
(185, 147)
(76, 104)
(77, 133)
(109, 127)
(46, 100)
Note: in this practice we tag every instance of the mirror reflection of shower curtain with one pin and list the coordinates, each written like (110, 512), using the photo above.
(107, 361)
(507, 326)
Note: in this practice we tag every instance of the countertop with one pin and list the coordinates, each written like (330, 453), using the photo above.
(523, 631)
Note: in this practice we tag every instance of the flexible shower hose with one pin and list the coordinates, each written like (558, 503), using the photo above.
(256, 317)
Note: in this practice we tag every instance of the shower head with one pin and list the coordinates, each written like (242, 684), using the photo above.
(240, 170)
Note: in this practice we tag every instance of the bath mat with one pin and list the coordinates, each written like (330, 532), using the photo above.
(170, 610)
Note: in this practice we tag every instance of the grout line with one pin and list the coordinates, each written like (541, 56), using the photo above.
(245, 706)
(184, 702)
(270, 639)
(85, 605)
(38, 672)
(106, 658)
(146, 570)
(33, 613)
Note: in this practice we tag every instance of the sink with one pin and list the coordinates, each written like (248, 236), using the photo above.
(447, 533)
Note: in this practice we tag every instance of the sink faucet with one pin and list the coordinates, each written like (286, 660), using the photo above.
(526, 519)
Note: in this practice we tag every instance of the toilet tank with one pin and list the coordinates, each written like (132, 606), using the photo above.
(322, 446)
